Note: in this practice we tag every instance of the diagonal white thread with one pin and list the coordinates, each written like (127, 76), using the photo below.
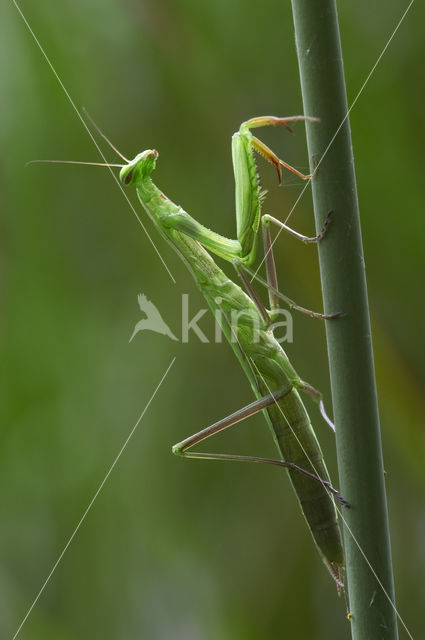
(91, 136)
(369, 564)
(83, 517)
(270, 248)
(337, 508)
(368, 77)
(374, 573)
(290, 213)
(249, 361)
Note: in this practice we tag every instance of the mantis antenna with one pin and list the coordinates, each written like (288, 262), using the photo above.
(95, 164)
(88, 116)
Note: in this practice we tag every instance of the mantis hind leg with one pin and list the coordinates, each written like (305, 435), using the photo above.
(317, 397)
(182, 448)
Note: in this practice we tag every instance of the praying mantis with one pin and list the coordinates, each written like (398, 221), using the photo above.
(247, 325)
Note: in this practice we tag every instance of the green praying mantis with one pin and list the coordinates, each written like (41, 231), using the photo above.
(248, 325)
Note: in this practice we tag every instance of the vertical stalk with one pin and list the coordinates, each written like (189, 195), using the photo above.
(349, 342)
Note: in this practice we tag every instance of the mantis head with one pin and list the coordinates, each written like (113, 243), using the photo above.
(139, 168)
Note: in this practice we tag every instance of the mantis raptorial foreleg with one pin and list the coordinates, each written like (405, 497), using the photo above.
(248, 194)
(182, 448)
(241, 251)
(264, 150)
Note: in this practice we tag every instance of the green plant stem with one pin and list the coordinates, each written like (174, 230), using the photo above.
(358, 440)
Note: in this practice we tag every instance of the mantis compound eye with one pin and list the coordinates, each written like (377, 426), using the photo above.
(128, 177)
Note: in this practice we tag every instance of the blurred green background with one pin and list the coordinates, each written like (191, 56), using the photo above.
(173, 549)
